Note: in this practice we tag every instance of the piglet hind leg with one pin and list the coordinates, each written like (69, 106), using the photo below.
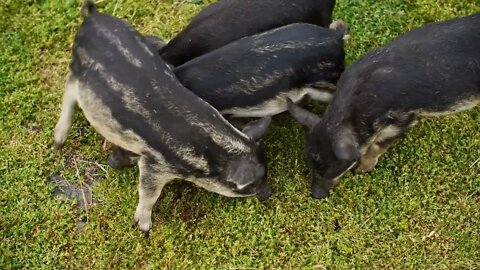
(370, 159)
(69, 105)
(120, 158)
(152, 180)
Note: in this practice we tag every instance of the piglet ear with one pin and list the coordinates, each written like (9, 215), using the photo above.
(303, 116)
(345, 148)
(155, 42)
(256, 129)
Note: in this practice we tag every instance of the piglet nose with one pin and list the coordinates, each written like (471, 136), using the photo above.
(264, 193)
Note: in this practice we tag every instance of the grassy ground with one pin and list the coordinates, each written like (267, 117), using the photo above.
(418, 210)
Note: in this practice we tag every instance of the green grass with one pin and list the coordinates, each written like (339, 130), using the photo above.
(427, 182)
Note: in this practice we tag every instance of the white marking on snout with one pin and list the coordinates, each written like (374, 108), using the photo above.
(240, 186)
(335, 180)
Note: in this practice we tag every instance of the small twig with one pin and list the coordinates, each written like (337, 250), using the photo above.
(77, 172)
(105, 145)
(115, 8)
(476, 161)
(432, 234)
(370, 217)
(41, 144)
(100, 166)
(133, 14)
(85, 202)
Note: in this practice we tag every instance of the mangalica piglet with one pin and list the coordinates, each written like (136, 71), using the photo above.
(229, 20)
(253, 76)
(430, 71)
(131, 97)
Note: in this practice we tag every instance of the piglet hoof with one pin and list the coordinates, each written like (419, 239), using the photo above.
(319, 192)
(143, 223)
(364, 167)
(360, 171)
(145, 228)
(112, 162)
(57, 146)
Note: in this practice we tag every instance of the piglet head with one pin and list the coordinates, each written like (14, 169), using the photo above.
(247, 173)
(330, 152)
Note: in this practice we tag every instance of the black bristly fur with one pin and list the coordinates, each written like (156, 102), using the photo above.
(239, 75)
(131, 97)
(237, 78)
(229, 20)
(431, 70)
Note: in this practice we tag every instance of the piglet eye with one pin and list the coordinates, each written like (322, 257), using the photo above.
(260, 172)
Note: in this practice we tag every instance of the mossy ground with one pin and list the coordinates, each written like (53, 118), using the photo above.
(419, 209)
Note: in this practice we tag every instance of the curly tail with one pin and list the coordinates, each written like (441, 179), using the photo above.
(88, 8)
(341, 26)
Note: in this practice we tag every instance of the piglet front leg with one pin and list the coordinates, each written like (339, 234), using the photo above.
(152, 180)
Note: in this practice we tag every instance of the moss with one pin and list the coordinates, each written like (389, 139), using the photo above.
(425, 185)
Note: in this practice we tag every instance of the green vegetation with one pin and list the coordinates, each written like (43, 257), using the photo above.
(419, 209)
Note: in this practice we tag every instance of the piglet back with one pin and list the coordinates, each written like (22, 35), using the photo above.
(114, 61)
